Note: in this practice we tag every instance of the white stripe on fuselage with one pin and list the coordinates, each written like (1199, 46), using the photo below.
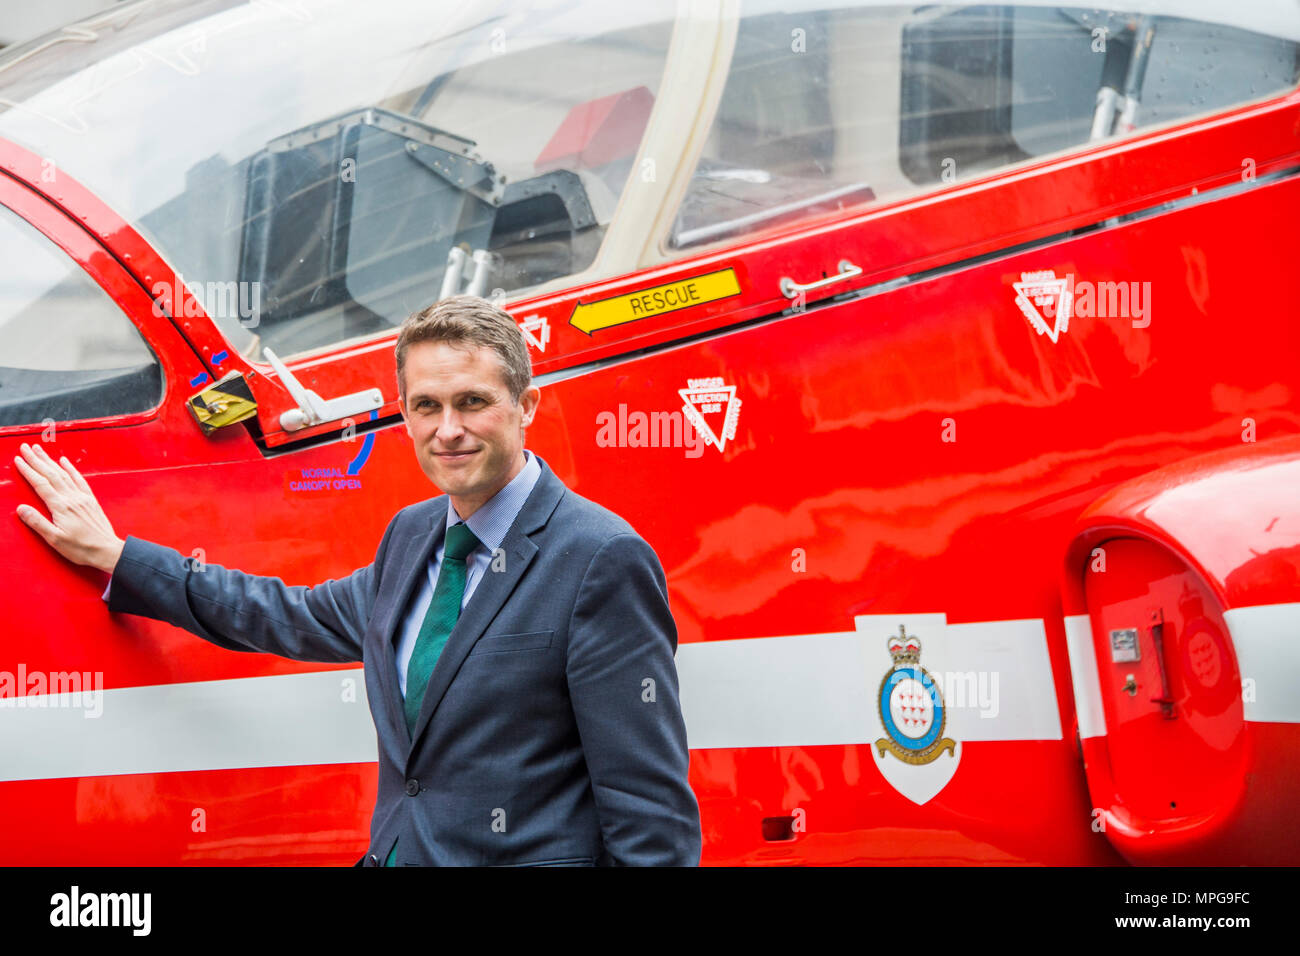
(815, 689)
(798, 690)
(1266, 639)
(284, 720)
(1084, 675)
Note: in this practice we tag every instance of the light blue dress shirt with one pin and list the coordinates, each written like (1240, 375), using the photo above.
(490, 523)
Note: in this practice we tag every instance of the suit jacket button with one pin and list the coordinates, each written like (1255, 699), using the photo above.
(372, 860)
(412, 787)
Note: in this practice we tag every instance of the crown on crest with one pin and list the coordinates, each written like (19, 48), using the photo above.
(905, 649)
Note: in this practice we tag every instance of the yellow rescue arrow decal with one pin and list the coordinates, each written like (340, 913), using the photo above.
(657, 300)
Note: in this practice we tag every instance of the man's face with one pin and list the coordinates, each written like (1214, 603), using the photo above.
(468, 432)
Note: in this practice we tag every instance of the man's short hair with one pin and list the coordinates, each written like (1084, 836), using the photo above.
(467, 320)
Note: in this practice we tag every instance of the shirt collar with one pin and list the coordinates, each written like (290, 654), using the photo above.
(492, 522)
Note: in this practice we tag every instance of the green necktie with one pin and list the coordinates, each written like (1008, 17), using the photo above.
(441, 617)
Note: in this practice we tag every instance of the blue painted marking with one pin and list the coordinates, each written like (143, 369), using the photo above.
(198, 380)
(356, 464)
(220, 357)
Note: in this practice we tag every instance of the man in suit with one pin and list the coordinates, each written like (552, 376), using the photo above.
(516, 638)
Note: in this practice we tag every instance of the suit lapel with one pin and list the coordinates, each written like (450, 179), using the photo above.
(493, 589)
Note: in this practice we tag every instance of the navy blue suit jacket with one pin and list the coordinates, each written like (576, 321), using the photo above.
(551, 730)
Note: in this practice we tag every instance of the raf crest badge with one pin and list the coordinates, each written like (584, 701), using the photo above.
(911, 708)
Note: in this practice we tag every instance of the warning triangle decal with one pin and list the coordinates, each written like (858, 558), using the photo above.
(712, 407)
(1045, 301)
(536, 330)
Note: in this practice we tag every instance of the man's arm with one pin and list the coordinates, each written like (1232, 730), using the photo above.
(232, 609)
(246, 612)
(622, 637)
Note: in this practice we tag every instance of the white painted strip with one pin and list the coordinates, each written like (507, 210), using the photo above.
(800, 690)
(1084, 675)
(1015, 651)
(1267, 643)
(805, 690)
(816, 689)
(285, 720)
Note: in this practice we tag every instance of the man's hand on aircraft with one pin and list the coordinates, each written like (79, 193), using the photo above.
(77, 527)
